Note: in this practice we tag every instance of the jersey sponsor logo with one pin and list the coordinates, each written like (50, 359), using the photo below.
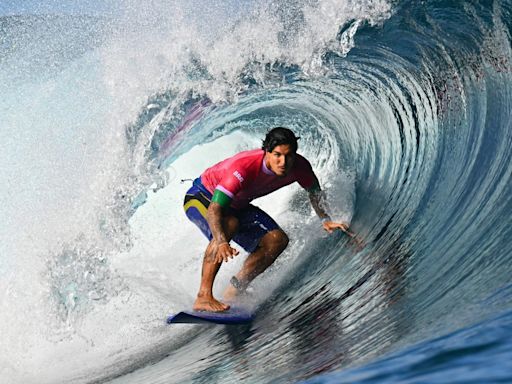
(238, 176)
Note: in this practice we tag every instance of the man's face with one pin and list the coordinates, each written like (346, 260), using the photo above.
(280, 160)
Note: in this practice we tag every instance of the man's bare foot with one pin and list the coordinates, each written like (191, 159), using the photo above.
(209, 304)
(230, 293)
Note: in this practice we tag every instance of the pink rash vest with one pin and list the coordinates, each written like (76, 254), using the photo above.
(245, 177)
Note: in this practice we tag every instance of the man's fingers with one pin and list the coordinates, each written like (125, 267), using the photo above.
(224, 256)
(330, 227)
(351, 234)
(233, 252)
(344, 229)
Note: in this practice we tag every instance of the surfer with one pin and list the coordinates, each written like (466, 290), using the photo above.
(219, 204)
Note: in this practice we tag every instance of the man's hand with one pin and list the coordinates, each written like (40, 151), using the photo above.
(224, 252)
(331, 226)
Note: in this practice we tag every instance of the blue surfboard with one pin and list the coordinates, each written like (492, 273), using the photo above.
(231, 316)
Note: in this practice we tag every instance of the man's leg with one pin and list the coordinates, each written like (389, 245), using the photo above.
(270, 247)
(205, 300)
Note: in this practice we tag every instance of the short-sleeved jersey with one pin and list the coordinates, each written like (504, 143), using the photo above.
(245, 177)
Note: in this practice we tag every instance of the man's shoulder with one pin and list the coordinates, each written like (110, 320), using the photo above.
(249, 154)
(248, 160)
(301, 163)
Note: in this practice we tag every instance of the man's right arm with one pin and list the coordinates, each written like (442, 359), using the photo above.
(222, 251)
(215, 222)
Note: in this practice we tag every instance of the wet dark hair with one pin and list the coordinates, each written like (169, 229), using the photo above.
(280, 136)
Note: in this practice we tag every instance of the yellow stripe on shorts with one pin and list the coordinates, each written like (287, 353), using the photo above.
(197, 204)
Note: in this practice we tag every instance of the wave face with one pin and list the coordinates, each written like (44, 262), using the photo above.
(403, 109)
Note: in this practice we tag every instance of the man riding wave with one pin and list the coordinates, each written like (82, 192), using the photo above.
(219, 204)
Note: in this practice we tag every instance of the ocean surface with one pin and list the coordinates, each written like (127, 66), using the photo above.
(404, 109)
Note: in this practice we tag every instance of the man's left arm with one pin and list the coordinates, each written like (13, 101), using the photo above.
(318, 201)
(308, 180)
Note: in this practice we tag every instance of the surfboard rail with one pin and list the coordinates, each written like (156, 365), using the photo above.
(232, 316)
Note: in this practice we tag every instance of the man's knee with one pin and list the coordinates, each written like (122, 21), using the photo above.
(276, 241)
(283, 240)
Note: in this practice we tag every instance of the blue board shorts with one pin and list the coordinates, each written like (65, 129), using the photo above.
(253, 222)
